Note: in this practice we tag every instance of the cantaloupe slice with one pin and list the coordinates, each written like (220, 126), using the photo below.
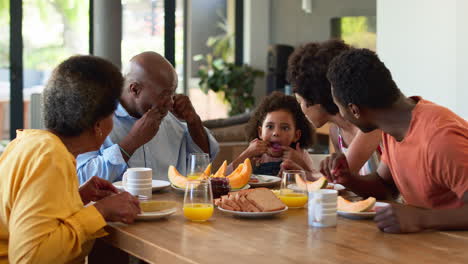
(176, 178)
(311, 186)
(207, 171)
(221, 172)
(236, 171)
(317, 185)
(355, 207)
(241, 178)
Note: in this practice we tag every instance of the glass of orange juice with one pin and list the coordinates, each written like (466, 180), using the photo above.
(197, 164)
(198, 200)
(290, 193)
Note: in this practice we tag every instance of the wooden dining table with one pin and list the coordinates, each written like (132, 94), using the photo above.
(285, 238)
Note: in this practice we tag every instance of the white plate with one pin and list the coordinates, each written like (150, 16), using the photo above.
(264, 180)
(177, 189)
(362, 215)
(253, 214)
(157, 185)
(156, 215)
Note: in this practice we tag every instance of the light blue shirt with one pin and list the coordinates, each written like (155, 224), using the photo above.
(171, 146)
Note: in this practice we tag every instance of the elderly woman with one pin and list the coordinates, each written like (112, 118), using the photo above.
(42, 214)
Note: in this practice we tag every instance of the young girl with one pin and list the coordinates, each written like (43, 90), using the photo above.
(307, 73)
(278, 130)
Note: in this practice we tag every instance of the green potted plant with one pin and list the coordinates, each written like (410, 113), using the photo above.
(235, 83)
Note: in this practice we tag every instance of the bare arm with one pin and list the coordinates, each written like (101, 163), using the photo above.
(398, 218)
(183, 109)
(361, 148)
(379, 184)
(198, 134)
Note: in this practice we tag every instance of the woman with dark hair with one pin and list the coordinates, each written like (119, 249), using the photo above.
(307, 73)
(42, 214)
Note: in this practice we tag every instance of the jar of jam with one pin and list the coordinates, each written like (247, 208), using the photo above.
(220, 186)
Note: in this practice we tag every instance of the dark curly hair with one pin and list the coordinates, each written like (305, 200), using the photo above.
(279, 101)
(81, 91)
(307, 72)
(359, 77)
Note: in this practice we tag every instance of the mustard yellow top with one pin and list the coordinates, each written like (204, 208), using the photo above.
(42, 217)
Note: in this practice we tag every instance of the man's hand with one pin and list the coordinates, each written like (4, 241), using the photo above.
(397, 218)
(257, 148)
(142, 131)
(336, 169)
(147, 126)
(122, 207)
(96, 189)
(183, 109)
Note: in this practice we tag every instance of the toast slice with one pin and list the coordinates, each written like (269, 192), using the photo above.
(229, 201)
(248, 205)
(265, 200)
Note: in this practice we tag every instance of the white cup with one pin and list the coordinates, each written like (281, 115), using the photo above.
(138, 181)
(322, 208)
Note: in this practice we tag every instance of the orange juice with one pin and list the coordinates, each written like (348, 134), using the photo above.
(194, 176)
(198, 211)
(294, 199)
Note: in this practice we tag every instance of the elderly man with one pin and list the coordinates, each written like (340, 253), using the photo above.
(152, 127)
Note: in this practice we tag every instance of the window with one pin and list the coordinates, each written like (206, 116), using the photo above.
(359, 31)
(4, 70)
(51, 31)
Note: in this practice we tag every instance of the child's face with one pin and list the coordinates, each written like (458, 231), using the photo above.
(278, 130)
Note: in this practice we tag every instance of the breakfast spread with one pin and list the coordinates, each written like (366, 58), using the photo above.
(237, 179)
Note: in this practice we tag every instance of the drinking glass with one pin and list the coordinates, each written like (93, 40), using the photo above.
(198, 200)
(197, 164)
(290, 193)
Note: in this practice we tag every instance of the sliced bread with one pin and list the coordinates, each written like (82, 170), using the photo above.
(265, 200)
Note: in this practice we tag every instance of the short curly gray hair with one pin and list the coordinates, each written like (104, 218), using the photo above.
(81, 91)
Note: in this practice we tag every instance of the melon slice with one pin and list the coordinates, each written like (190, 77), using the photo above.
(176, 178)
(311, 186)
(207, 171)
(221, 172)
(355, 207)
(317, 185)
(236, 171)
(240, 178)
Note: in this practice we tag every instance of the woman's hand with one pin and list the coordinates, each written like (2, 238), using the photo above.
(96, 189)
(336, 169)
(122, 207)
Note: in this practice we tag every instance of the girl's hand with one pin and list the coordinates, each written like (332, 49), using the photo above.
(298, 156)
(257, 148)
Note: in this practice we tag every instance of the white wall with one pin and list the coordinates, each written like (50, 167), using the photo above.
(424, 44)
